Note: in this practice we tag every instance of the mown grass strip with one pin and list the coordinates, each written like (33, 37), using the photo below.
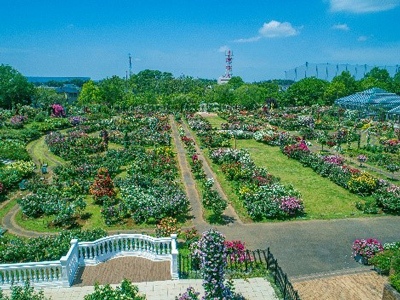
(323, 199)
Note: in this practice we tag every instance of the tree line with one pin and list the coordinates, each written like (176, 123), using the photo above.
(153, 87)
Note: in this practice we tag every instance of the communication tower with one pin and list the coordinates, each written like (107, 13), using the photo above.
(228, 68)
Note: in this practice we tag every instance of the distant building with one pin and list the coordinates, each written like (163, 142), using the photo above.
(56, 79)
(70, 91)
(223, 80)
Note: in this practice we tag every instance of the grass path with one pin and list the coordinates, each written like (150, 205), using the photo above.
(40, 153)
(214, 120)
(323, 199)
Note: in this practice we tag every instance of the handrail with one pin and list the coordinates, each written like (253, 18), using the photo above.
(62, 272)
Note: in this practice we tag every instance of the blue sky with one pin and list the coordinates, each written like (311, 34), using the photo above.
(93, 38)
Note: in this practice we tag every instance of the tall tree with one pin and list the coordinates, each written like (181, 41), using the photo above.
(236, 82)
(307, 91)
(250, 96)
(14, 87)
(44, 97)
(90, 93)
(112, 90)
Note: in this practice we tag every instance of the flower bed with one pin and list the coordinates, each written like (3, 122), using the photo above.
(262, 194)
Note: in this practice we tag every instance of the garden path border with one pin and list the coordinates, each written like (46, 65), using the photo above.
(187, 177)
(229, 211)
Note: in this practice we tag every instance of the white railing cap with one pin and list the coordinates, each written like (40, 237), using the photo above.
(126, 235)
(31, 264)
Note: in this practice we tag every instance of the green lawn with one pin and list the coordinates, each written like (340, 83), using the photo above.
(323, 199)
(40, 152)
(93, 220)
(215, 121)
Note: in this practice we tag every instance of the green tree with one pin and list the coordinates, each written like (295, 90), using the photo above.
(334, 91)
(306, 92)
(379, 78)
(235, 82)
(222, 94)
(396, 83)
(112, 90)
(90, 93)
(14, 87)
(271, 88)
(44, 97)
(250, 96)
(349, 82)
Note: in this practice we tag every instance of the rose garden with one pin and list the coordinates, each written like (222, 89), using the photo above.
(93, 170)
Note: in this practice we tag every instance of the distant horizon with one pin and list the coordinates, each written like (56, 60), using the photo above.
(267, 37)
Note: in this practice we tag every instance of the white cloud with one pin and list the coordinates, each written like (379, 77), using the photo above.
(362, 6)
(223, 48)
(273, 29)
(249, 40)
(343, 27)
(362, 38)
(276, 29)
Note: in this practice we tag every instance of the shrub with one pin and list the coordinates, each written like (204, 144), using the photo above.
(103, 185)
(363, 184)
(212, 200)
(395, 277)
(383, 260)
(17, 250)
(26, 292)
(127, 291)
(167, 226)
(213, 262)
(388, 197)
(190, 294)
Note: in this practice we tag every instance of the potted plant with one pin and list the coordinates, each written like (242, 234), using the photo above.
(365, 249)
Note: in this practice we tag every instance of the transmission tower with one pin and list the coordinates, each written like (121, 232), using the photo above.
(130, 65)
(228, 67)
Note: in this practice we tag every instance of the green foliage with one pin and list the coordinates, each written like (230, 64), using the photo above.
(127, 291)
(45, 97)
(17, 250)
(395, 277)
(14, 87)
(222, 94)
(26, 292)
(90, 93)
(235, 82)
(250, 96)
(307, 92)
(111, 90)
(383, 260)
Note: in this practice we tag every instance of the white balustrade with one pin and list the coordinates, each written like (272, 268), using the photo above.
(62, 272)
(45, 273)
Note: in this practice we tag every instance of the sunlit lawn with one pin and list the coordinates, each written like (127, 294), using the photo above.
(322, 197)
(215, 121)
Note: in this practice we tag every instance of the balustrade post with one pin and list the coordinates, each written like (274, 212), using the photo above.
(174, 257)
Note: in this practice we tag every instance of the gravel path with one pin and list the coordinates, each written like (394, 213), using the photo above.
(230, 213)
(190, 185)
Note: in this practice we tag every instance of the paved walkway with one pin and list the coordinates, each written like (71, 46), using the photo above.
(136, 269)
(364, 286)
(254, 289)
